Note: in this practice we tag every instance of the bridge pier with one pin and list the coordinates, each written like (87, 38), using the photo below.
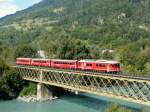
(43, 93)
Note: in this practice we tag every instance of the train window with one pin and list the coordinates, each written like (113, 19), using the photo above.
(115, 65)
(36, 61)
(100, 65)
(63, 63)
(41, 61)
(88, 64)
(118, 65)
(111, 65)
(25, 60)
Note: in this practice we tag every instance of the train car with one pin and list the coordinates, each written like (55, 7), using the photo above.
(41, 62)
(86, 64)
(65, 64)
(23, 61)
(107, 66)
(99, 65)
(90, 65)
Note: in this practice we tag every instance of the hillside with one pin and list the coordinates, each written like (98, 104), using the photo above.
(76, 29)
(103, 18)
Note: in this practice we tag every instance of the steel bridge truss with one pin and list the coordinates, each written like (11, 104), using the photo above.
(128, 89)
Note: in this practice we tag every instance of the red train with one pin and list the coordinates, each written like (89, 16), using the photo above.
(90, 65)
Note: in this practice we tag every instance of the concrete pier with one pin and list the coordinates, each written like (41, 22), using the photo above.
(43, 93)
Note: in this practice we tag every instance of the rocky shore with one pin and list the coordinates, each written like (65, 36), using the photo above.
(34, 99)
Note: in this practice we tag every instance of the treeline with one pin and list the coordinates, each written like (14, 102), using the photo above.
(134, 57)
(10, 82)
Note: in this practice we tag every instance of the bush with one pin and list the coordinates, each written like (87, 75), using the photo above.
(10, 82)
(116, 108)
(29, 89)
(25, 51)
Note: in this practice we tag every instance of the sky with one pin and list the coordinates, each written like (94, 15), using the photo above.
(11, 6)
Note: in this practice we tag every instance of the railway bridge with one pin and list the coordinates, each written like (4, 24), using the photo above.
(132, 89)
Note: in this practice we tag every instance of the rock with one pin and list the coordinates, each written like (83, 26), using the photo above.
(34, 99)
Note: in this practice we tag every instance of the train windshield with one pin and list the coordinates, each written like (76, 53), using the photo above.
(116, 65)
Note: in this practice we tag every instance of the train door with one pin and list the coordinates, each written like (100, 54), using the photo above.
(108, 67)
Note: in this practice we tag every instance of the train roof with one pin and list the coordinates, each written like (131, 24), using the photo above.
(24, 58)
(100, 61)
(63, 60)
(107, 61)
(40, 59)
(87, 60)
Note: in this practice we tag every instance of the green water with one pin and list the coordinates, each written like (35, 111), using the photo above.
(67, 103)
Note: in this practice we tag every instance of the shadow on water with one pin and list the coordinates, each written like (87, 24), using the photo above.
(92, 102)
(95, 102)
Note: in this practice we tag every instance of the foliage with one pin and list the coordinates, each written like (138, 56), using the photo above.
(3, 67)
(25, 51)
(29, 89)
(72, 49)
(10, 82)
(116, 108)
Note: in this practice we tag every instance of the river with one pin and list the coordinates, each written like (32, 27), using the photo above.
(66, 103)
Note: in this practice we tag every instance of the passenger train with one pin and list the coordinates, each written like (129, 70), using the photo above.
(87, 65)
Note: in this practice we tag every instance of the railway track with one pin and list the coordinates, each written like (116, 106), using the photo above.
(121, 75)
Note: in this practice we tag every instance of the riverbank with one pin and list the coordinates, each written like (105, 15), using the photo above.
(33, 98)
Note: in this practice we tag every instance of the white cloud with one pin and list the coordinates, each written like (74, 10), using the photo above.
(4, 1)
(7, 7)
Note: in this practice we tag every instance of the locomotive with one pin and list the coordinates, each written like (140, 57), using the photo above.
(87, 65)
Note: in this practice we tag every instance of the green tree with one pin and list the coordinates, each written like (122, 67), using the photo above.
(65, 48)
(10, 82)
(28, 89)
(147, 67)
(3, 67)
(81, 51)
(25, 51)
(72, 49)
(107, 55)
